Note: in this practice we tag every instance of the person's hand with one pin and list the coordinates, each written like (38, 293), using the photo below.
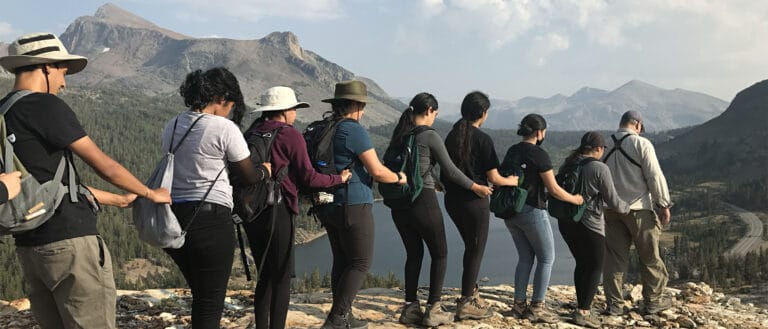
(578, 200)
(158, 195)
(268, 166)
(126, 200)
(403, 179)
(664, 216)
(346, 174)
(12, 182)
(481, 190)
(512, 180)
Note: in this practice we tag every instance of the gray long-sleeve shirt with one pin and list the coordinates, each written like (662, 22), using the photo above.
(431, 147)
(599, 193)
(640, 187)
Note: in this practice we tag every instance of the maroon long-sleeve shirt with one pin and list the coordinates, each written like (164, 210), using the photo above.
(290, 149)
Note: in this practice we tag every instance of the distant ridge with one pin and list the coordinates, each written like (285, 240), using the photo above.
(732, 146)
(597, 109)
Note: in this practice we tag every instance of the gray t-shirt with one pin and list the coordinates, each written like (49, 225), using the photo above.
(599, 193)
(432, 149)
(213, 141)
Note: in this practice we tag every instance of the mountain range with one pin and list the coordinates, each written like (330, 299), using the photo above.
(127, 51)
(597, 109)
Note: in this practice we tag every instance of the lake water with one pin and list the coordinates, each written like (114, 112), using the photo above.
(389, 253)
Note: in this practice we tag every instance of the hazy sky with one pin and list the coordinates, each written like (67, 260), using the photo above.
(507, 48)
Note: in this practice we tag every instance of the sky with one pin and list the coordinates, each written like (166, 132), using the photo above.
(507, 48)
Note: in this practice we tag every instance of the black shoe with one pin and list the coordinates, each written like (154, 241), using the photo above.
(335, 321)
(613, 309)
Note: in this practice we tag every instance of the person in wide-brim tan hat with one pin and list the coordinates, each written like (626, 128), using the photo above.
(277, 98)
(38, 49)
(352, 90)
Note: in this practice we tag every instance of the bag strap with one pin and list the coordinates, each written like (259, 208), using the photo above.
(7, 158)
(200, 205)
(617, 146)
(172, 149)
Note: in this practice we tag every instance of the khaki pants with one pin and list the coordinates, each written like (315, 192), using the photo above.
(70, 283)
(642, 228)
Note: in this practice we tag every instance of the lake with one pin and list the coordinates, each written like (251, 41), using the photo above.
(389, 253)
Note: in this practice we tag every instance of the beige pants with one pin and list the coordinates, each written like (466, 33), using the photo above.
(643, 229)
(70, 283)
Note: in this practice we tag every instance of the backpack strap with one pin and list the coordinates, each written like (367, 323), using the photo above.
(200, 205)
(617, 146)
(8, 156)
(172, 149)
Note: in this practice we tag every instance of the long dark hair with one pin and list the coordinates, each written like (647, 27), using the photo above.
(418, 106)
(530, 124)
(201, 88)
(583, 149)
(474, 105)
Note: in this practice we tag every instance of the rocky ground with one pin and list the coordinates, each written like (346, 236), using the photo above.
(695, 306)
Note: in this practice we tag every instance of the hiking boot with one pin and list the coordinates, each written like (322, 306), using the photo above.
(589, 320)
(335, 321)
(355, 323)
(435, 316)
(411, 314)
(660, 305)
(613, 309)
(537, 312)
(519, 309)
(479, 300)
(472, 308)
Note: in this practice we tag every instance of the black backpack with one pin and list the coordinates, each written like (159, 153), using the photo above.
(319, 137)
(570, 178)
(404, 159)
(251, 200)
(507, 201)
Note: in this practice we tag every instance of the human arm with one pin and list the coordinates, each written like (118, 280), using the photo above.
(112, 199)
(607, 190)
(448, 168)
(113, 172)
(294, 145)
(10, 187)
(654, 177)
(378, 171)
(548, 177)
(252, 174)
(497, 179)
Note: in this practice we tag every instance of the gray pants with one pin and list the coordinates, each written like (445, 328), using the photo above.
(70, 283)
(643, 229)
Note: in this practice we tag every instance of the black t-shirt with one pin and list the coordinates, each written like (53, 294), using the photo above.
(41, 127)
(535, 161)
(482, 158)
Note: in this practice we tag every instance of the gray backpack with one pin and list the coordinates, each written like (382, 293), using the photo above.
(36, 202)
(156, 223)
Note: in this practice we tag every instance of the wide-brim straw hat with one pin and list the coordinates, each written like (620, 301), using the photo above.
(279, 98)
(41, 48)
(349, 90)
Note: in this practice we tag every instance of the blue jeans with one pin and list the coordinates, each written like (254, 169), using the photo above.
(533, 238)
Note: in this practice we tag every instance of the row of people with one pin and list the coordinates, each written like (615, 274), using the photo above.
(467, 159)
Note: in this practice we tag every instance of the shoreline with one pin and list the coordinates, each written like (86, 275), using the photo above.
(322, 232)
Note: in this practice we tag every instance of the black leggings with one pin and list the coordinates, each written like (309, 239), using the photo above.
(471, 218)
(421, 223)
(205, 259)
(273, 288)
(588, 249)
(351, 237)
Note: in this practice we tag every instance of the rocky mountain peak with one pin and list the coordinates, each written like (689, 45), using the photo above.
(637, 86)
(112, 14)
(286, 40)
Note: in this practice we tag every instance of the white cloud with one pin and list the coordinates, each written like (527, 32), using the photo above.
(544, 45)
(7, 32)
(253, 10)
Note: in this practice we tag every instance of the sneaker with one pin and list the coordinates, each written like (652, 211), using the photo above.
(660, 305)
(472, 308)
(613, 309)
(537, 312)
(355, 323)
(411, 314)
(435, 316)
(519, 309)
(589, 320)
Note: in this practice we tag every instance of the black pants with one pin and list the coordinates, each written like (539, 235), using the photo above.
(471, 218)
(273, 288)
(350, 233)
(205, 259)
(418, 224)
(588, 249)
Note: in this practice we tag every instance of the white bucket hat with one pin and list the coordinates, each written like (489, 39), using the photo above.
(279, 98)
(40, 48)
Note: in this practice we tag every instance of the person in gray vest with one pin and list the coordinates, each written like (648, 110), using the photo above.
(66, 265)
(640, 182)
